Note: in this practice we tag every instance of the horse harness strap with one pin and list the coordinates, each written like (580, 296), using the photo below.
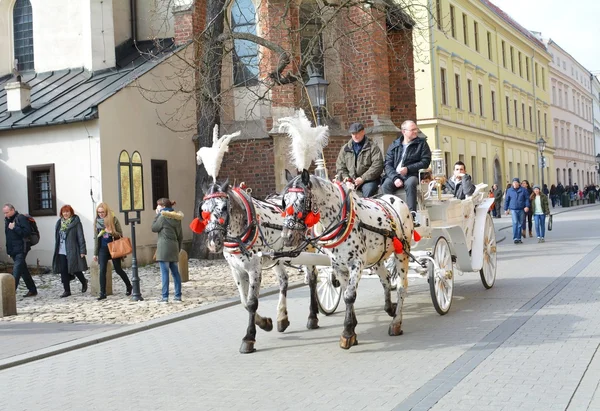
(240, 244)
(391, 234)
(346, 222)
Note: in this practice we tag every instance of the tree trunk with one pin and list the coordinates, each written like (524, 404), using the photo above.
(208, 102)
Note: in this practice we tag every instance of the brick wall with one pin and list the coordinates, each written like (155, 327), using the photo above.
(189, 21)
(402, 80)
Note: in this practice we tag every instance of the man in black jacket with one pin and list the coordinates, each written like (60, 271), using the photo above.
(404, 158)
(17, 229)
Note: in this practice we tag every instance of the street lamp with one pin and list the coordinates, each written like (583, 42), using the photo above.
(541, 143)
(131, 199)
(316, 88)
(598, 168)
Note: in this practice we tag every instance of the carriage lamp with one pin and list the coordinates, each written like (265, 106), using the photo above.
(438, 167)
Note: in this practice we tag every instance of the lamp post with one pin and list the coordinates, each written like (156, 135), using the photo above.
(131, 199)
(598, 168)
(316, 87)
(541, 143)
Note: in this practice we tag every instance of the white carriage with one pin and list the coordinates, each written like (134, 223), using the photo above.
(454, 235)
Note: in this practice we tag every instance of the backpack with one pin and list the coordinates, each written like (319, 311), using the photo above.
(34, 238)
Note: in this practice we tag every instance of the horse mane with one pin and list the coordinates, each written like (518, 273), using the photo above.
(307, 141)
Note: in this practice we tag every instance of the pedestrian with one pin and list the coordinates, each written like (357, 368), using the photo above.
(517, 203)
(108, 229)
(17, 229)
(360, 162)
(553, 195)
(540, 208)
(528, 217)
(69, 250)
(168, 226)
(460, 184)
(498, 200)
(408, 154)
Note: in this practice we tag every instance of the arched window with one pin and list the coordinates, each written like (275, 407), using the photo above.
(23, 34)
(245, 53)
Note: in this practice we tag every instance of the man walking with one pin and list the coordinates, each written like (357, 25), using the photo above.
(361, 161)
(497, 200)
(17, 229)
(517, 201)
(408, 154)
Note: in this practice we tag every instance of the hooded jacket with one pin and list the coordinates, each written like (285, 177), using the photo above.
(418, 156)
(168, 226)
(74, 244)
(368, 164)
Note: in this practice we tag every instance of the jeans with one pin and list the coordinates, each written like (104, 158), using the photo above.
(518, 217)
(540, 225)
(20, 270)
(369, 188)
(65, 277)
(410, 185)
(164, 271)
(103, 257)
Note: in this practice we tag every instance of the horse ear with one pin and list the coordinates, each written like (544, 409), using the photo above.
(288, 176)
(305, 177)
(225, 186)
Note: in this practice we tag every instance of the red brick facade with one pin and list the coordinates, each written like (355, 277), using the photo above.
(402, 80)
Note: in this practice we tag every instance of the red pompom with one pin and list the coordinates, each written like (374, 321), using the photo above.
(312, 219)
(300, 214)
(221, 221)
(197, 225)
(206, 215)
(416, 236)
(290, 210)
(398, 247)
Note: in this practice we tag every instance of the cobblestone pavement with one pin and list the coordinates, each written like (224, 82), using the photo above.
(529, 343)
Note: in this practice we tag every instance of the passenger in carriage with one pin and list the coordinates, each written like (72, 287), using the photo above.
(460, 184)
(408, 154)
(360, 162)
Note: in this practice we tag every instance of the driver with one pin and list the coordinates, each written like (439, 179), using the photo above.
(460, 184)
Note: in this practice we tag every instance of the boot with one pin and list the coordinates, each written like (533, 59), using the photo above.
(530, 234)
(523, 233)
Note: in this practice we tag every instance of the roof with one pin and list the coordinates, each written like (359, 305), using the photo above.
(73, 95)
(502, 14)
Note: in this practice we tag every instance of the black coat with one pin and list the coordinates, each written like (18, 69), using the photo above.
(418, 156)
(15, 238)
(74, 244)
(462, 188)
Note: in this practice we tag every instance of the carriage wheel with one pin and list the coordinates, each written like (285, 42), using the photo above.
(329, 291)
(488, 270)
(441, 281)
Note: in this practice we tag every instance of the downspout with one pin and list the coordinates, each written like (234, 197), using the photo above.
(537, 120)
(433, 72)
(133, 9)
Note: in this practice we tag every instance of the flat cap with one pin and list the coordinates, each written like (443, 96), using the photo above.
(355, 128)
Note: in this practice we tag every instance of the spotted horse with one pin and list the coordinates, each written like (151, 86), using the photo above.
(246, 230)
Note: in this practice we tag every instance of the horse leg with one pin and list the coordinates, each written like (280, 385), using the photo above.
(313, 320)
(384, 278)
(401, 263)
(348, 337)
(254, 276)
(282, 314)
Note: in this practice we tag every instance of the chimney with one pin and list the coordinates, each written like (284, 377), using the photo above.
(18, 95)
(188, 20)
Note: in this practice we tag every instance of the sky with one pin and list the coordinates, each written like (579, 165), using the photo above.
(573, 25)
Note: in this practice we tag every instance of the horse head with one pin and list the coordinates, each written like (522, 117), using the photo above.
(215, 211)
(299, 210)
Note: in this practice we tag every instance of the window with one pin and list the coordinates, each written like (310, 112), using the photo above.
(489, 45)
(311, 41)
(520, 65)
(546, 124)
(41, 190)
(476, 34)
(530, 118)
(438, 12)
(470, 94)
(503, 54)
(474, 168)
(539, 121)
(465, 30)
(452, 22)
(536, 75)
(457, 87)
(523, 114)
(543, 78)
(484, 168)
(516, 113)
(566, 100)
(553, 94)
(444, 86)
(507, 110)
(560, 101)
(493, 105)
(527, 67)
(512, 59)
(481, 100)
(23, 34)
(245, 53)
(160, 180)
(556, 136)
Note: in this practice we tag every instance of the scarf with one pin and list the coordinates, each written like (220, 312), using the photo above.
(64, 224)
(167, 209)
(100, 226)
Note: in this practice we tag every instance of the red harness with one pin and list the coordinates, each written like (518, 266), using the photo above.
(233, 248)
(348, 227)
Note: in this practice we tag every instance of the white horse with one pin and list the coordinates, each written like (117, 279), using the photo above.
(358, 233)
(244, 228)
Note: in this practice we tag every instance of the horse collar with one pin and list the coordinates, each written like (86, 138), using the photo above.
(344, 229)
(248, 237)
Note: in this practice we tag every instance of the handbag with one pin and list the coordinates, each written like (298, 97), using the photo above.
(550, 222)
(120, 248)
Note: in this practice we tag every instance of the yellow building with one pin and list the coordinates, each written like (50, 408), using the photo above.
(482, 91)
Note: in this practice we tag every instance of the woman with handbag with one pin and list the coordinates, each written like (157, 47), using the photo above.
(69, 250)
(108, 229)
(168, 226)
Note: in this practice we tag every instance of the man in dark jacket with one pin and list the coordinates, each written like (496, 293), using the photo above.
(497, 200)
(361, 161)
(517, 201)
(460, 184)
(17, 229)
(404, 158)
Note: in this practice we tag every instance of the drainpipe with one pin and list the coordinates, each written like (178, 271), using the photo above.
(433, 73)
(133, 9)
(538, 123)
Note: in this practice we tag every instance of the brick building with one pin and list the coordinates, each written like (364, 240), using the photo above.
(365, 54)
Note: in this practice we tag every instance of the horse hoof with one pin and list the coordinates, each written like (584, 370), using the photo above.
(282, 325)
(395, 330)
(346, 342)
(268, 325)
(247, 347)
(312, 324)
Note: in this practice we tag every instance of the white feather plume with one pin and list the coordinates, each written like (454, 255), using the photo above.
(307, 141)
(212, 157)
